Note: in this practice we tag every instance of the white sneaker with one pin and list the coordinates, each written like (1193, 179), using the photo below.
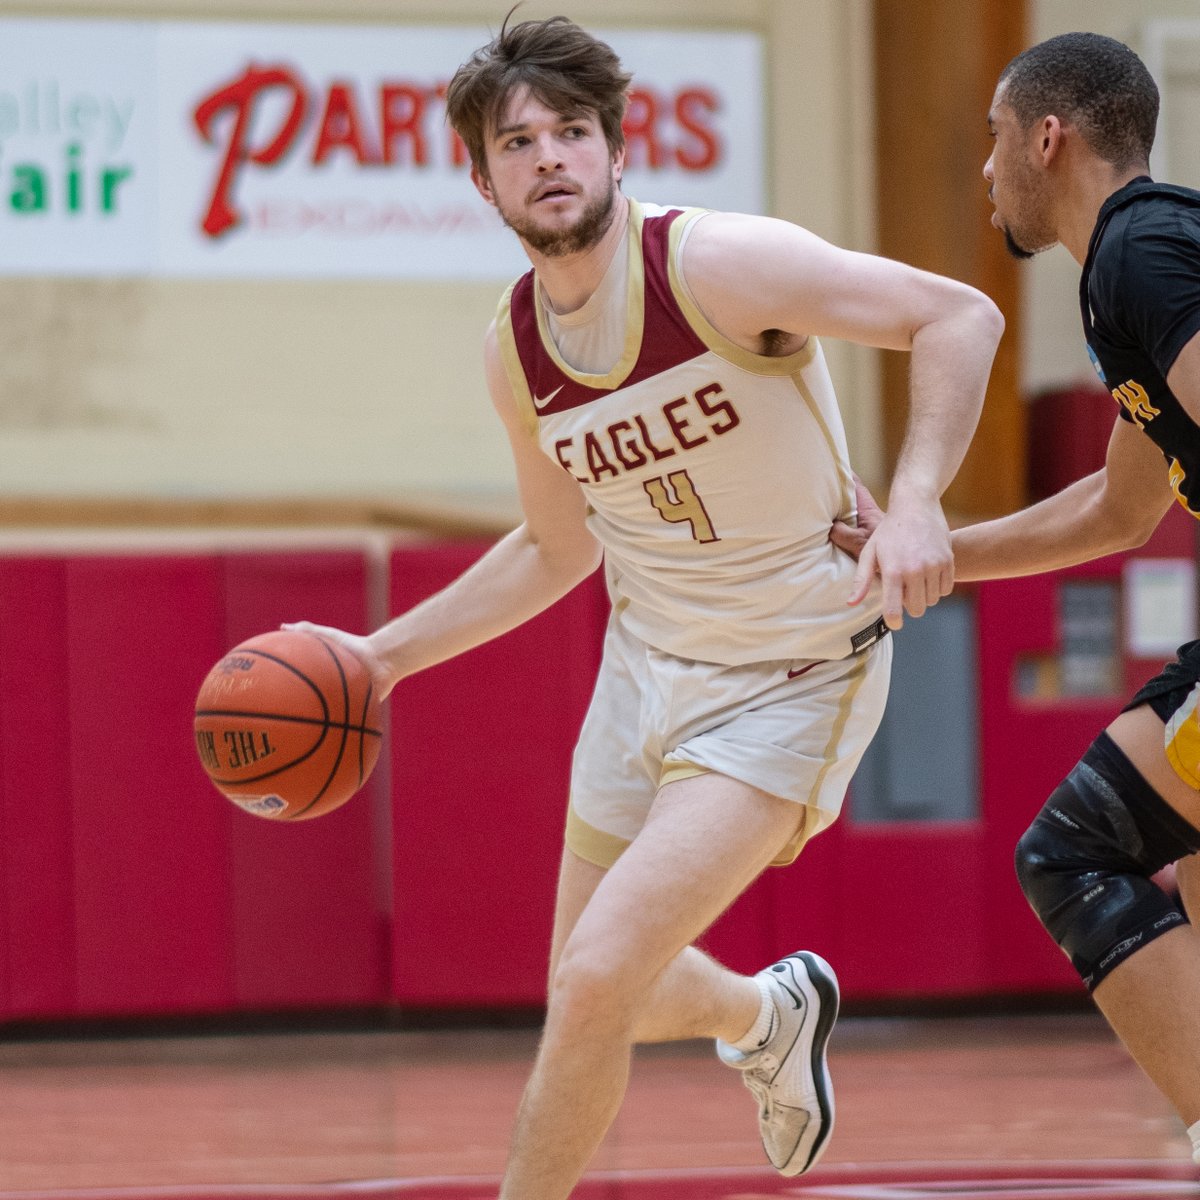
(789, 1076)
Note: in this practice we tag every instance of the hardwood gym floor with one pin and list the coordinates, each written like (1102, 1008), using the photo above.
(145, 1117)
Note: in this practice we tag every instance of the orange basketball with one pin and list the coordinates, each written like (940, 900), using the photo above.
(288, 725)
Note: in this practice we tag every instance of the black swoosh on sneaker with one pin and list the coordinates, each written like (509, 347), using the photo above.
(780, 968)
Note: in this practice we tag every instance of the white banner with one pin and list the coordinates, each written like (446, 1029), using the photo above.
(78, 147)
(186, 149)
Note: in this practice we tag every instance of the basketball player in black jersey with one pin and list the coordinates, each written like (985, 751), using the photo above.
(1073, 120)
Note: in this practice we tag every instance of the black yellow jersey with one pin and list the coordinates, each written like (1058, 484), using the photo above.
(1140, 300)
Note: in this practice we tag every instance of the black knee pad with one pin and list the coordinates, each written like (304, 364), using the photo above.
(1085, 862)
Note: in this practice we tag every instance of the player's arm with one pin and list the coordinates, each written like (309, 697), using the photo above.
(1184, 378)
(803, 285)
(524, 573)
(1115, 508)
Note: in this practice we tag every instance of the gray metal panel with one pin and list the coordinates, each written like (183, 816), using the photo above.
(923, 763)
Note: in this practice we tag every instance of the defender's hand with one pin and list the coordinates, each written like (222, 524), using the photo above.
(852, 538)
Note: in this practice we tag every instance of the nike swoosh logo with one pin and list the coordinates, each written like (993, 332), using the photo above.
(779, 968)
(540, 402)
(805, 670)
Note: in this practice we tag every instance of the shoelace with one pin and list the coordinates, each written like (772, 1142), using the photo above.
(760, 1088)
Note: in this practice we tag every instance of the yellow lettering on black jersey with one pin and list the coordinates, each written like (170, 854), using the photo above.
(1133, 398)
(1177, 476)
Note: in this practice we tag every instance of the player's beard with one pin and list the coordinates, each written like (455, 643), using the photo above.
(1017, 251)
(1029, 229)
(591, 226)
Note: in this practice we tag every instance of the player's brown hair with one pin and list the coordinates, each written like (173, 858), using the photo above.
(564, 67)
(1097, 84)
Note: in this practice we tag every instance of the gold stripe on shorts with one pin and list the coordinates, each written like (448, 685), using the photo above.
(676, 769)
(859, 674)
(591, 844)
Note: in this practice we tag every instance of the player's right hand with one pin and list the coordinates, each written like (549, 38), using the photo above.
(908, 549)
(360, 646)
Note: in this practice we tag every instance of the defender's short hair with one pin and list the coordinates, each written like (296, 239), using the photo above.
(564, 67)
(1097, 84)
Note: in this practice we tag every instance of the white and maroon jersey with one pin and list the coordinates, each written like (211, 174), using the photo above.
(712, 474)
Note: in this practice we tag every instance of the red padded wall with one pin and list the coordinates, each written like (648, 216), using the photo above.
(153, 917)
(309, 898)
(1073, 429)
(876, 901)
(481, 758)
(37, 922)
(1026, 750)
(131, 887)
(912, 913)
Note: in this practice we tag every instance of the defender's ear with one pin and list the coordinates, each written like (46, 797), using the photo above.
(1050, 139)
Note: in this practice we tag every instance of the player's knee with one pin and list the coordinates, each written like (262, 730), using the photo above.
(1035, 864)
(1085, 862)
(587, 991)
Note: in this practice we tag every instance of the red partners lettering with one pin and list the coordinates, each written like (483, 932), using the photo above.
(240, 97)
(723, 406)
(651, 120)
(641, 118)
(692, 106)
(679, 424)
(342, 127)
(401, 119)
(459, 156)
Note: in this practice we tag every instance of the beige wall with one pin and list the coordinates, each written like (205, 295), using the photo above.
(202, 388)
(198, 388)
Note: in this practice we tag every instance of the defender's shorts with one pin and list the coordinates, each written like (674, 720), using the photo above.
(795, 729)
(1173, 694)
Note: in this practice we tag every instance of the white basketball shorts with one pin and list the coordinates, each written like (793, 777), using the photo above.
(795, 729)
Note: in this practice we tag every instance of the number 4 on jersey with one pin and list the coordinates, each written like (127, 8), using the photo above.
(677, 501)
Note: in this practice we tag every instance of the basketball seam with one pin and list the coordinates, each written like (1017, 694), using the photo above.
(337, 762)
(273, 716)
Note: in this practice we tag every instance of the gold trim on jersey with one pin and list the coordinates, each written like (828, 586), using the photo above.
(512, 362)
(713, 338)
(846, 479)
(635, 317)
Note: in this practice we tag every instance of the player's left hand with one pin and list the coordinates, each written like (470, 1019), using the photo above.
(910, 551)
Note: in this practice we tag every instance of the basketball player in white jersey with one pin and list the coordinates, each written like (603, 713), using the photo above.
(670, 414)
